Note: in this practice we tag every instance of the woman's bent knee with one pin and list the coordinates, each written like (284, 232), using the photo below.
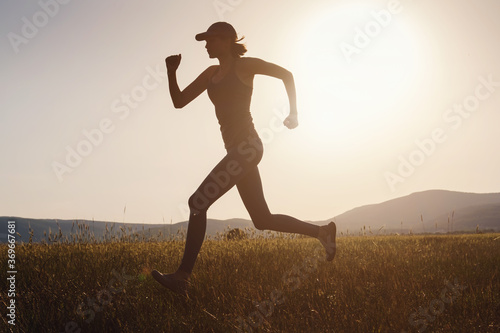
(261, 222)
(198, 203)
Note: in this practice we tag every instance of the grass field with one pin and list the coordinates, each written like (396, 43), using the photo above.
(447, 283)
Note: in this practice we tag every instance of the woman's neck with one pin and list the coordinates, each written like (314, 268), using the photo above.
(226, 61)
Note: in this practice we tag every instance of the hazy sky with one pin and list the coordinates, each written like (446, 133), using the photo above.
(394, 98)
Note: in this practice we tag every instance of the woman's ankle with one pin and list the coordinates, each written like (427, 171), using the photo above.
(180, 274)
(322, 232)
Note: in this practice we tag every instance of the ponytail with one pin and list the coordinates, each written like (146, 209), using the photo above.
(238, 49)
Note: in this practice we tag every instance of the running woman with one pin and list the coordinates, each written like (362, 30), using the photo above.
(229, 86)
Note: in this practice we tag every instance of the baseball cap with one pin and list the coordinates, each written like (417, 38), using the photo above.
(221, 29)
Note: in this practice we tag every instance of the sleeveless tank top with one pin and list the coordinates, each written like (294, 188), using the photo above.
(231, 99)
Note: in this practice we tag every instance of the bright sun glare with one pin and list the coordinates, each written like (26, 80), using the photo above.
(353, 96)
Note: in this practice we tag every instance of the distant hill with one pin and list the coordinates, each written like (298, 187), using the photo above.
(485, 216)
(98, 228)
(435, 206)
(464, 210)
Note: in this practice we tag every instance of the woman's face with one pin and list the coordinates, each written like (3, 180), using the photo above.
(217, 46)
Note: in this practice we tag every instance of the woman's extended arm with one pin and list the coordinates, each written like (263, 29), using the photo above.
(182, 98)
(258, 66)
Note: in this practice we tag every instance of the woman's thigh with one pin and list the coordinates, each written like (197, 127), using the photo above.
(227, 173)
(252, 195)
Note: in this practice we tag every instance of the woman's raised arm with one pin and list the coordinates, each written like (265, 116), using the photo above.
(184, 97)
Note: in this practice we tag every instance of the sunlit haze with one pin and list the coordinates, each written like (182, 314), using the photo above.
(394, 97)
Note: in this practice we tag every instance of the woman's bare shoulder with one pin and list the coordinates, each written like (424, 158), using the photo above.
(249, 65)
(211, 69)
(250, 61)
(209, 72)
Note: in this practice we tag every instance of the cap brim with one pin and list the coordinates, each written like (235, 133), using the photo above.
(204, 36)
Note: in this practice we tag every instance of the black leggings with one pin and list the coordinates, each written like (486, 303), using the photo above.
(238, 167)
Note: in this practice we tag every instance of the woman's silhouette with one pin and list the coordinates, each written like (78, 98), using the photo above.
(229, 86)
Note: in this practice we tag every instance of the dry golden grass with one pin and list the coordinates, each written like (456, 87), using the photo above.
(279, 284)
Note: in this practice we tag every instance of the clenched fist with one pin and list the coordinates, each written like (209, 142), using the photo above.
(291, 121)
(173, 62)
